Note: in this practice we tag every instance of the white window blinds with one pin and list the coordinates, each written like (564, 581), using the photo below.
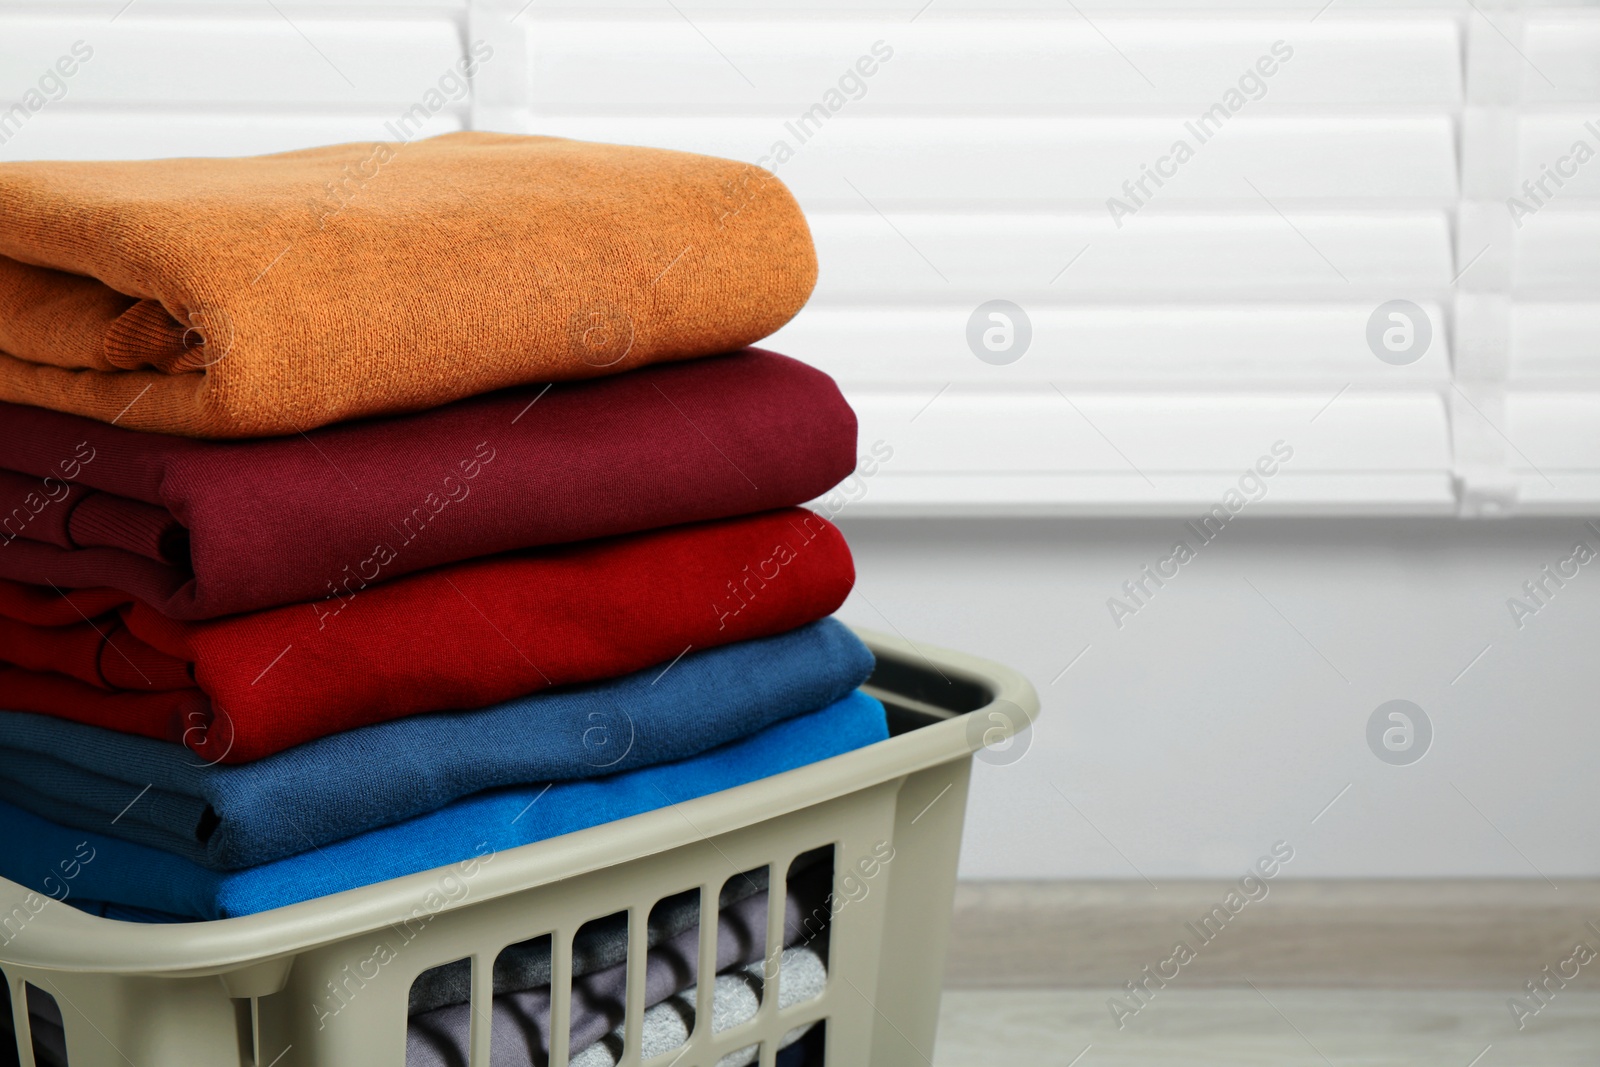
(1337, 158)
(1188, 307)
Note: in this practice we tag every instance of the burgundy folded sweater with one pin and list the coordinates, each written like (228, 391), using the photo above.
(200, 529)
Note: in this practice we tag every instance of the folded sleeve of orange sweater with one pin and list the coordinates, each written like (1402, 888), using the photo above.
(225, 298)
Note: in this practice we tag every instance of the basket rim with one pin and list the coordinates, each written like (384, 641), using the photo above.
(61, 938)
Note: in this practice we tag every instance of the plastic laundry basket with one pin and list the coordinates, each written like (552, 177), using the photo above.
(326, 982)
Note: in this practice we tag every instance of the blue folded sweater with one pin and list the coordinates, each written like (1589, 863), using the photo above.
(232, 817)
(39, 854)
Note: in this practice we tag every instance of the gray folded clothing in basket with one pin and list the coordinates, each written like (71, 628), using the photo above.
(802, 976)
(440, 1036)
(520, 1028)
(599, 945)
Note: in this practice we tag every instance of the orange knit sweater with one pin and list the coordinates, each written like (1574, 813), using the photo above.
(264, 296)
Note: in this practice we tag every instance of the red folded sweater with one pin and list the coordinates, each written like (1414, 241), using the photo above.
(463, 636)
(198, 529)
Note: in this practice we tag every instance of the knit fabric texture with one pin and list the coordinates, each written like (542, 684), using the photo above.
(198, 529)
(270, 295)
(230, 817)
(461, 837)
(468, 635)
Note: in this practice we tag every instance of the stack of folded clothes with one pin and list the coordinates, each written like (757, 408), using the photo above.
(374, 508)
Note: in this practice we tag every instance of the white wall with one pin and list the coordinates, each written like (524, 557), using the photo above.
(1210, 726)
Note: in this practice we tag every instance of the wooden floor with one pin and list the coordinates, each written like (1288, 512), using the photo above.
(1344, 973)
(1485, 935)
(1274, 1027)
